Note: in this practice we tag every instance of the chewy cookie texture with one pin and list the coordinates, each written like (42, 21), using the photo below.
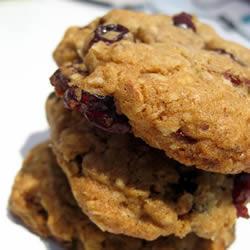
(149, 121)
(171, 81)
(126, 187)
(42, 199)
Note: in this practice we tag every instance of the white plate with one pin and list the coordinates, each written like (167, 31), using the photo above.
(29, 32)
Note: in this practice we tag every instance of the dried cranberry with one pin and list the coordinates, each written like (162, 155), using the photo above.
(102, 30)
(233, 79)
(242, 211)
(186, 138)
(184, 20)
(60, 82)
(236, 80)
(99, 110)
(241, 194)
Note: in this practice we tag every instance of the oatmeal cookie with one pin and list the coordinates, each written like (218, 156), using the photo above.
(126, 187)
(171, 81)
(42, 199)
(143, 28)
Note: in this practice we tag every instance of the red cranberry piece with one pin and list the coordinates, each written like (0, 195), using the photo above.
(102, 30)
(241, 194)
(184, 20)
(233, 79)
(236, 80)
(99, 110)
(186, 138)
(242, 211)
(60, 82)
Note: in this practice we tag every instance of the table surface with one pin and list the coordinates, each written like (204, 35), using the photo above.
(30, 31)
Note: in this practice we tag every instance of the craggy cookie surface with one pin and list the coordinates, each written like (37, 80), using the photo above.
(172, 81)
(42, 199)
(126, 187)
(138, 27)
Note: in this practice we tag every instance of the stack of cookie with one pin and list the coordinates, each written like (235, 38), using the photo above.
(149, 120)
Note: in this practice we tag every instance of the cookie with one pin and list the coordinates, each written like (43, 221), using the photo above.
(42, 199)
(171, 81)
(141, 28)
(126, 187)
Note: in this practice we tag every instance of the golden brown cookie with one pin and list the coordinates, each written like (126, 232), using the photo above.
(143, 28)
(42, 199)
(171, 81)
(126, 187)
